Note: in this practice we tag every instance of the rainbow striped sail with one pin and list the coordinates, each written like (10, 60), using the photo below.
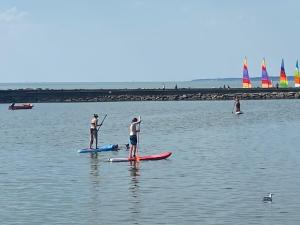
(246, 79)
(297, 75)
(265, 80)
(283, 82)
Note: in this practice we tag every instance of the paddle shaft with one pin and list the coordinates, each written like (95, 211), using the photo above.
(138, 137)
(102, 122)
(98, 130)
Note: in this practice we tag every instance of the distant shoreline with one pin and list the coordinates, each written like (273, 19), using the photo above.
(274, 78)
(119, 95)
(196, 84)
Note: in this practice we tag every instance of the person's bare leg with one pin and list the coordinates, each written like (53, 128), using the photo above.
(91, 141)
(96, 139)
(130, 151)
(134, 151)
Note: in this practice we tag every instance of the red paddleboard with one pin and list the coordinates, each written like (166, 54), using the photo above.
(162, 155)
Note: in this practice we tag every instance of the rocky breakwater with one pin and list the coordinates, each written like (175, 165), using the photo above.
(116, 95)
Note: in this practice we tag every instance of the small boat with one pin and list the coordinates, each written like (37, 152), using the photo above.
(283, 81)
(103, 148)
(23, 106)
(160, 156)
(246, 79)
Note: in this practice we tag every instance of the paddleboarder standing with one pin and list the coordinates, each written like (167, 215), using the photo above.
(94, 130)
(237, 105)
(133, 136)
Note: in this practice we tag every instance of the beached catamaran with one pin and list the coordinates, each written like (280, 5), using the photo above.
(246, 79)
(297, 75)
(265, 80)
(283, 82)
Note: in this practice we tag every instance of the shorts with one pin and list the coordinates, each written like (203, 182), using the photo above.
(93, 132)
(133, 139)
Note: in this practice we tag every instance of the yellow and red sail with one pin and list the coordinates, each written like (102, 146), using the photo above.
(283, 81)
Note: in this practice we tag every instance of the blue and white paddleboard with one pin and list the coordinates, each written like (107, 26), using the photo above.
(238, 113)
(103, 148)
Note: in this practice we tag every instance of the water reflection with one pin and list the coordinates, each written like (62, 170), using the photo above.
(134, 187)
(95, 199)
(94, 160)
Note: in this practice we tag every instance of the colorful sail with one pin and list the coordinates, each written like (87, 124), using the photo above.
(246, 79)
(265, 80)
(297, 75)
(283, 82)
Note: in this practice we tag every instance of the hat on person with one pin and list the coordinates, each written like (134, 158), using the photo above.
(95, 115)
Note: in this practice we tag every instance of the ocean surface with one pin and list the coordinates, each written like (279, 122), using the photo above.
(222, 164)
(204, 83)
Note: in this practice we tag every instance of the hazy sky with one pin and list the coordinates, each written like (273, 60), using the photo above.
(139, 40)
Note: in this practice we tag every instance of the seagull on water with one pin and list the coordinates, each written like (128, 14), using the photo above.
(268, 198)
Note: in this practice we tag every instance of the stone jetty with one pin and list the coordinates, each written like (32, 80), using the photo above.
(118, 95)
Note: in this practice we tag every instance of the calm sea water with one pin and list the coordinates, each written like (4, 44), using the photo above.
(213, 83)
(116, 85)
(222, 165)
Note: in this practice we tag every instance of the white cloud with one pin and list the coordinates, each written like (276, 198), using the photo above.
(12, 15)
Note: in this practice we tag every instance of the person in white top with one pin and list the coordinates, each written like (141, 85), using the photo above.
(94, 130)
(133, 136)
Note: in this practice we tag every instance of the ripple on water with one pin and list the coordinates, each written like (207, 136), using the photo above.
(220, 168)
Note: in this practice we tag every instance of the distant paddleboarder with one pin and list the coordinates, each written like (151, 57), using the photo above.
(133, 136)
(94, 130)
(237, 105)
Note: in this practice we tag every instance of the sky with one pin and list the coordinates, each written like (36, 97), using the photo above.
(145, 40)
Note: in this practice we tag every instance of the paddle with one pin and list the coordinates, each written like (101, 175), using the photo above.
(138, 140)
(98, 130)
(102, 122)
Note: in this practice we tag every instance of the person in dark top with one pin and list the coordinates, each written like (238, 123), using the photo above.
(237, 105)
